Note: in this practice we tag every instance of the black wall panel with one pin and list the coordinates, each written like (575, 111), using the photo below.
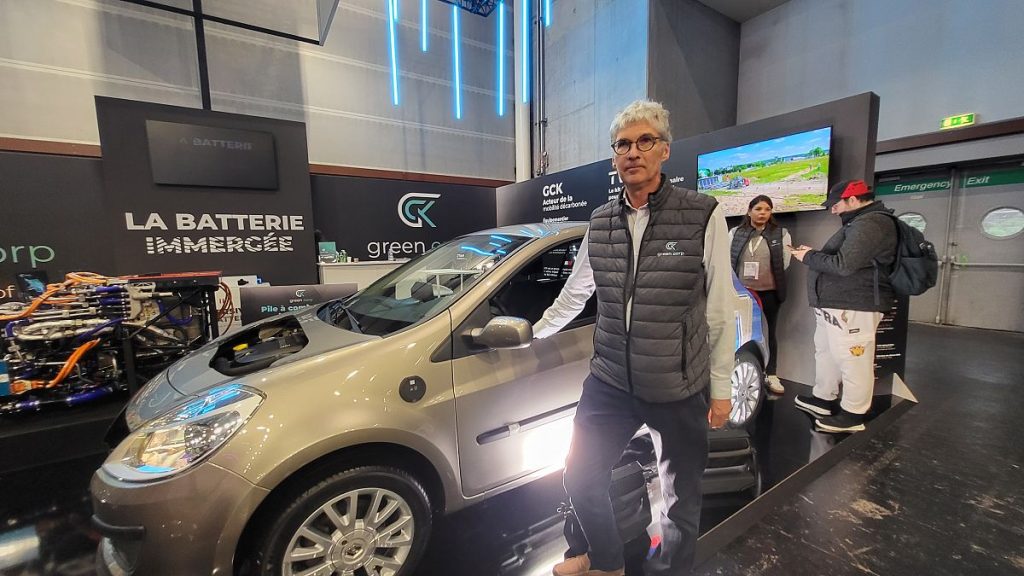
(368, 217)
(53, 217)
(167, 228)
(854, 122)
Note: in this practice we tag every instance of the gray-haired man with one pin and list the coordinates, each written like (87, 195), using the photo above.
(658, 258)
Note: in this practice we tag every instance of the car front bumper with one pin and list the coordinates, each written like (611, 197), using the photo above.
(186, 524)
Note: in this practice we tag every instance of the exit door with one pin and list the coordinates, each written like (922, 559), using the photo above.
(986, 284)
(975, 219)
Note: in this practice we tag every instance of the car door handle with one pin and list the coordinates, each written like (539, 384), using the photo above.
(527, 424)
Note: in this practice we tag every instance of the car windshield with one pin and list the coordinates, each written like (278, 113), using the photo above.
(422, 288)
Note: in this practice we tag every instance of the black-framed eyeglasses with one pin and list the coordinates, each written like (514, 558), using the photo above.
(643, 144)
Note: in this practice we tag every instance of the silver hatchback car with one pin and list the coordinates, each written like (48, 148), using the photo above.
(322, 442)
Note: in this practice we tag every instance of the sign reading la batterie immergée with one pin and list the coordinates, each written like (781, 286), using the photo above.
(216, 233)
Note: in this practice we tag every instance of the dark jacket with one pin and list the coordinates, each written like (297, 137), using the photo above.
(843, 274)
(773, 235)
(664, 356)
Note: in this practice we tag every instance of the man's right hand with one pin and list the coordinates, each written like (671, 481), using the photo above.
(719, 413)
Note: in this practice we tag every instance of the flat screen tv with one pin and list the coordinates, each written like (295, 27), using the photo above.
(792, 170)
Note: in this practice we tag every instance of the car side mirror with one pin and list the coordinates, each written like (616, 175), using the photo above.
(503, 332)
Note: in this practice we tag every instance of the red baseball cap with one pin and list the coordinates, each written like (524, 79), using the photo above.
(845, 189)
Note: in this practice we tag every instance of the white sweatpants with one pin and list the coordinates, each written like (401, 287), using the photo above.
(844, 353)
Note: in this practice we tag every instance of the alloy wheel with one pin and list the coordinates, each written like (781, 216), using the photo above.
(363, 532)
(747, 389)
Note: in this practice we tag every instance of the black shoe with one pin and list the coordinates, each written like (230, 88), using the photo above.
(816, 406)
(840, 423)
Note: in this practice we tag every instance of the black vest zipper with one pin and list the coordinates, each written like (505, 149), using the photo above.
(633, 272)
(625, 302)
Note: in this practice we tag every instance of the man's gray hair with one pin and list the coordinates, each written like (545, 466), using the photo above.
(643, 111)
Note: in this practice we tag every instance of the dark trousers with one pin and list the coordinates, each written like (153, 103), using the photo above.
(770, 305)
(606, 420)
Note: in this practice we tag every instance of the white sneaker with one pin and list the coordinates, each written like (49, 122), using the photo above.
(775, 385)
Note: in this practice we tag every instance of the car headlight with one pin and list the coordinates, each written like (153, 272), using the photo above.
(184, 436)
(152, 400)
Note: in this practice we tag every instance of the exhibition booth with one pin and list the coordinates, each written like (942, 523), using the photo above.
(287, 322)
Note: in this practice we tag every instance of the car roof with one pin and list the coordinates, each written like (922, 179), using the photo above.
(538, 230)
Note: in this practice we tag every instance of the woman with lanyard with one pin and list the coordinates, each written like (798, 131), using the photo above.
(760, 259)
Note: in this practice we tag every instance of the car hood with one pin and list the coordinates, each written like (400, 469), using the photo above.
(284, 339)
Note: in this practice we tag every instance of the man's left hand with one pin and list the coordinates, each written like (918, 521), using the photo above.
(800, 251)
(719, 414)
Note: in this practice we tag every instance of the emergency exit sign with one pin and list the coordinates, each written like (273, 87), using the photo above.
(958, 121)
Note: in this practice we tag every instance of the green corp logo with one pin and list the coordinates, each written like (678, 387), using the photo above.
(33, 255)
(413, 207)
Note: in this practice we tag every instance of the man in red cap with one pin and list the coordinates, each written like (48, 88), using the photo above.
(848, 288)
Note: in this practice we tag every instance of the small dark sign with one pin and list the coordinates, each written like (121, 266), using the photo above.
(258, 302)
(195, 155)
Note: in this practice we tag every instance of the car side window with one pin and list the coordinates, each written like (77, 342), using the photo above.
(534, 288)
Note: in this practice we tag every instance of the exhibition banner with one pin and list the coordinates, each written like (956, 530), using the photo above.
(571, 195)
(378, 219)
(257, 302)
(184, 192)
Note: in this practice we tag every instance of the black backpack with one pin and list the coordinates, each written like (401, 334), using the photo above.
(916, 268)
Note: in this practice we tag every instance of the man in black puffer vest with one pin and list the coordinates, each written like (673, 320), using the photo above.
(658, 258)
(848, 288)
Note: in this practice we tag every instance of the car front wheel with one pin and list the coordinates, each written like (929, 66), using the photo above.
(365, 521)
(748, 389)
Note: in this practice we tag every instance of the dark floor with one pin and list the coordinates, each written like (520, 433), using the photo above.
(939, 492)
(936, 492)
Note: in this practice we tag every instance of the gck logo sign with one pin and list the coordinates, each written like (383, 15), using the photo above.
(413, 208)
(552, 189)
(670, 246)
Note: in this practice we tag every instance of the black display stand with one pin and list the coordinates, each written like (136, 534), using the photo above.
(197, 291)
(42, 438)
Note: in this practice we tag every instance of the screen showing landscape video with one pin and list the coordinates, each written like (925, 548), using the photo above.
(791, 170)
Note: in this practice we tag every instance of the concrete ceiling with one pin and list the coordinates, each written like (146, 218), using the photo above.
(742, 10)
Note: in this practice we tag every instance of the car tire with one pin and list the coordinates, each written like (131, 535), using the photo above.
(748, 389)
(329, 524)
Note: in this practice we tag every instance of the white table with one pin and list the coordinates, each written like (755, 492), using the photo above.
(362, 273)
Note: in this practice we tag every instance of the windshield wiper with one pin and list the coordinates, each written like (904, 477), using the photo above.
(352, 319)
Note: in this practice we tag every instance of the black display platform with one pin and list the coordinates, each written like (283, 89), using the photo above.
(518, 533)
(56, 434)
